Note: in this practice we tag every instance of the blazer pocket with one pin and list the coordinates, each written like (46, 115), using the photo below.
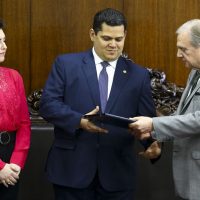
(64, 144)
(196, 155)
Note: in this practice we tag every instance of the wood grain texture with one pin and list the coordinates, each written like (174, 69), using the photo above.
(37, 31)
(60, 27)
(151, 39)
(16, 15)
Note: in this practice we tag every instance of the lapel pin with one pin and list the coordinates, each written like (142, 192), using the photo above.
(124, 71)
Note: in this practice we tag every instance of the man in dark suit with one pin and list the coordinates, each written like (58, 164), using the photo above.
(87, 161)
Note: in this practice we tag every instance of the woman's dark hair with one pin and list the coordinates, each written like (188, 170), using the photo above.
(1, 24)
(109, 16)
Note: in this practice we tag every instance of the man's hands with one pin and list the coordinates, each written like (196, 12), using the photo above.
(89, 126)
(142, 127)
(9, 175)
(142, 130)
(153, 151)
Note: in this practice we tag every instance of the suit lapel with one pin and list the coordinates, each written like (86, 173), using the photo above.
(120, 77)
(185, 100)
(89, 70)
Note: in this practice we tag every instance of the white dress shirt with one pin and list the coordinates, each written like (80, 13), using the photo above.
(110, 69)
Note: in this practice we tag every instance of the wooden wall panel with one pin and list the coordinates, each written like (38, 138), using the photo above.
(60, 26)
(16, 15)
(151, 39)
(37, 31)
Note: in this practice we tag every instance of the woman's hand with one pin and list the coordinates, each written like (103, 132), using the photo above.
(9, 175)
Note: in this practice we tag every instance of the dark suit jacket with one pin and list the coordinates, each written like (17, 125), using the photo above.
(72, 91)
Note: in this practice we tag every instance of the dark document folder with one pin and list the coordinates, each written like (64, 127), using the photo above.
(110, 119)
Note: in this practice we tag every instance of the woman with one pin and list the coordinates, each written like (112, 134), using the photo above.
(14, 126)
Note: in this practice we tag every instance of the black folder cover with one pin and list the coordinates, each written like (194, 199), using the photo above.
(111, 119)
(119, 121)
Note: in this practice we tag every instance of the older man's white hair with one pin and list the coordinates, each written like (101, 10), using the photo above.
(193, 28)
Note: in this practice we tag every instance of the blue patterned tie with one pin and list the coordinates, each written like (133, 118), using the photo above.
(103, 85)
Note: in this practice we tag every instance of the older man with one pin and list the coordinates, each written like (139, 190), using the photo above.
(184, 126)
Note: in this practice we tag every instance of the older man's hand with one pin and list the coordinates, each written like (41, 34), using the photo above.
(142, 127)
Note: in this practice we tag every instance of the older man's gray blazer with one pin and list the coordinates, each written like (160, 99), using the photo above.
(184, 129)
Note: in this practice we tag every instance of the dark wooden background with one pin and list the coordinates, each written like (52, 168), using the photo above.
(38, 30)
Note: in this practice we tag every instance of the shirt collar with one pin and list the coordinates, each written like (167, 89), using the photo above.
(98, 60)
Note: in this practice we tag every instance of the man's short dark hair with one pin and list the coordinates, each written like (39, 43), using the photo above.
(109, 16)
